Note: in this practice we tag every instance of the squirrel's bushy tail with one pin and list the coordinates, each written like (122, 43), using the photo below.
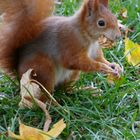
(22, 23)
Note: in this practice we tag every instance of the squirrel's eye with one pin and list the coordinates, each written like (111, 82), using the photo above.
(101, 23)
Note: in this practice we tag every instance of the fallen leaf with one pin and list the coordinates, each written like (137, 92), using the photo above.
(48, 120)
(132, 52)
(56, 130)
(123, 13)
(30, 133)
(28, 89)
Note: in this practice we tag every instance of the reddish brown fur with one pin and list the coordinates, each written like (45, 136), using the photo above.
(104, 2)
(73, 49)
(43, 66)
(22, 24)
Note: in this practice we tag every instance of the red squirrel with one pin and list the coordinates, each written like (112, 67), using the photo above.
(57, 48)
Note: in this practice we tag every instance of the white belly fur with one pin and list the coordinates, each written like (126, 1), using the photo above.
(93, 50)
(62, 75)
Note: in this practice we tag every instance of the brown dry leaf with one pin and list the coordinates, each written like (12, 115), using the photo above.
(30, 133)
(28, 89)
(48, 120)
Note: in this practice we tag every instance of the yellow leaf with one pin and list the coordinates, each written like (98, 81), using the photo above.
(132, 52)
(30, 133)
(56, 130)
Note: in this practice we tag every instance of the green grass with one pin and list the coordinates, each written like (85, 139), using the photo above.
(115, 115)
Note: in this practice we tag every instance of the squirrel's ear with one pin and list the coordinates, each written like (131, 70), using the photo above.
(93, 5)
(104, 2)
(89, 8)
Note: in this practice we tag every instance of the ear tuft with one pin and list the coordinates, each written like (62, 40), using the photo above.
(93, 5)
(104, 2)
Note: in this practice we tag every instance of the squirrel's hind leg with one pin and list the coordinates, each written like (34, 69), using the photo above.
(44, 69)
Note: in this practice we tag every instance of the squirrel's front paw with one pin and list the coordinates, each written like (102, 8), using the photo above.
(117, 69)
(109, 70)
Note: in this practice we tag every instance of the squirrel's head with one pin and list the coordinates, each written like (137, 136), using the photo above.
(97, 20)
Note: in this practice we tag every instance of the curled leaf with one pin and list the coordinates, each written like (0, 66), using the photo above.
(28, 89)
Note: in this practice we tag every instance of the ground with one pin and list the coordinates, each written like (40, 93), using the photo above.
(114, 115)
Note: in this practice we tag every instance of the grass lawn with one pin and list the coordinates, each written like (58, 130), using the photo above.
(115, 115)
